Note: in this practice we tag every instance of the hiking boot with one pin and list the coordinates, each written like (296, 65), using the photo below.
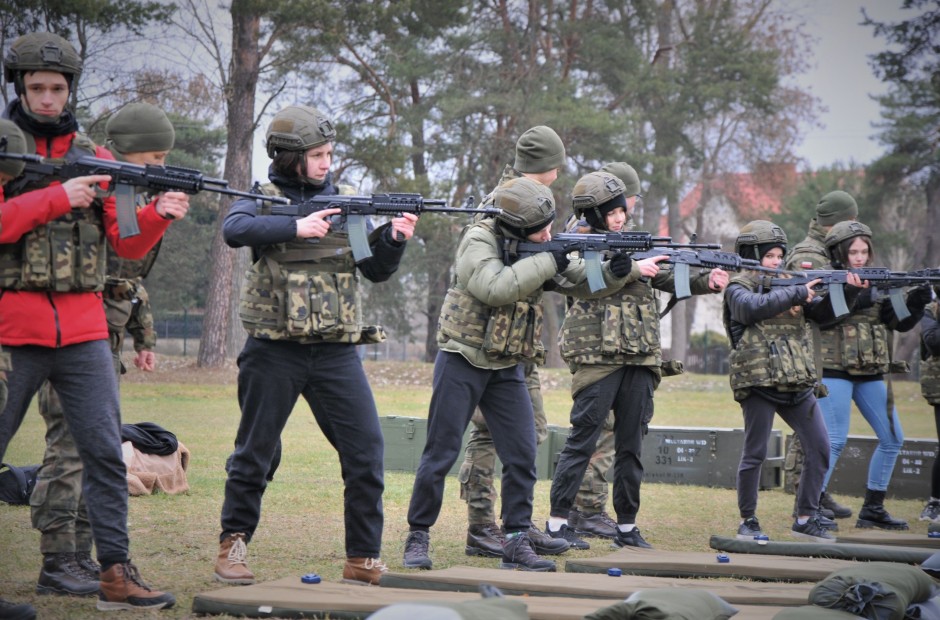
(931, 511)
(543, 544)
(812, 531)
(417, 547)
(631, 539)
(16, 611)
(232, 564)
(122, 588)
(62, 575)
(88, 564)
(485, 539)
(750, 530)
(838, 511)
(364, 571)
(566, 533)
(518, 555)
(598, 524)
(873, 513)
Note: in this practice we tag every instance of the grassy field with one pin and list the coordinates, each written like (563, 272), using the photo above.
(174, 538)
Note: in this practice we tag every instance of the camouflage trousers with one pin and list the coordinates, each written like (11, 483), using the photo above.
(594, 491)
(57, 506)
(479, 465)
(793, 465)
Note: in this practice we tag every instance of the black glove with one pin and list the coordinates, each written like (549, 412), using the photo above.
(918, 298)
(550, 284)
(561, 260)
(621, 264)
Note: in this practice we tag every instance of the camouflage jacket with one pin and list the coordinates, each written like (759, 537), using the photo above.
(810, 253)
(930, 354)
(127, 307)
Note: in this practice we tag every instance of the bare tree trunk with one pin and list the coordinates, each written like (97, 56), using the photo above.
(240, 106)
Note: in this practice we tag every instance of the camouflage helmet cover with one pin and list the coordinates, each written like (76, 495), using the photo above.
(41, 51)
(12, 140)
(595, 188)
(760, 233)
(298, 128)
(527, 206)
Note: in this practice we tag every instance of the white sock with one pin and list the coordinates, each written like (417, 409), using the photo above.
(802, 520)
(555, 523)
(626, 527)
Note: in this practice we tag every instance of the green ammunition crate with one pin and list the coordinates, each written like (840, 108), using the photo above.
(911, 477)
(405, 438)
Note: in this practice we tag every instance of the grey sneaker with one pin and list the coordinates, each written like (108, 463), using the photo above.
(931, 512)
(566, 533)
(750, 530)
(417, 547)
(812, 531)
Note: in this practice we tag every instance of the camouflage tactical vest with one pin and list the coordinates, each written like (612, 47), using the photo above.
(614, 329)
(775, 353)
(858, 345)
(304, 291)
(509, 332)
(930, 368)
(67, 254)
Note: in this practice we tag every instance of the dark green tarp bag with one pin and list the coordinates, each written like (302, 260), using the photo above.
(874, 590)
(667, 604)
(496, 608)
(811, 612)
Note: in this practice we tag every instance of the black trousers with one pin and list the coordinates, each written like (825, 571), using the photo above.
(459, 387)
(272, 374)
(629, 392)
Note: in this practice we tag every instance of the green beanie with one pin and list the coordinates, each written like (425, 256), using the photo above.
(14, 142)
(626, 173)
(539, 150)
(835, 207)
(140, 128)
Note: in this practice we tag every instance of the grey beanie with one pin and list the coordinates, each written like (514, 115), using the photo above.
(140, 128)
(626, 173)
(539, 150)
(835, 207)
(13, 142)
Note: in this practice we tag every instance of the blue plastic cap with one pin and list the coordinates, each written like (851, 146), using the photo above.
(310, 578)
(614, 572)
(723, 558)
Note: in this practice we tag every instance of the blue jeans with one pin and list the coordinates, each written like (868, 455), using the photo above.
(871, 398)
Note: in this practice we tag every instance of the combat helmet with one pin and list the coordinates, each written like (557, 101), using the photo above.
(527, 207)
(756, 238)
(41, 51)
(841, 232)
(626, 173)
(12, 140)
(595, 195)
(298, 128)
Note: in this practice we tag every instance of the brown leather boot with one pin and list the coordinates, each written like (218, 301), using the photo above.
(232, 563)
(122, 588)
(364, 571)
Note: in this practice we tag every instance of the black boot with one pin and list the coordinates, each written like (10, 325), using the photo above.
(61, 574)
(873, 513)
(518, 555)
(16, 611)
(838, 510)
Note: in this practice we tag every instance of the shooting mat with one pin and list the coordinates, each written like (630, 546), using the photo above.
(289, 598)
(655, 563)
(894, 539)
(584, 585)
(869, 553)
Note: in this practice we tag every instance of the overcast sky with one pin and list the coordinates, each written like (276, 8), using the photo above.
(843, 79)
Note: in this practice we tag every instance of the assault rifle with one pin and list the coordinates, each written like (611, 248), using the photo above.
(126, 177)
(591, 246)
(881, 278)
(357, 209)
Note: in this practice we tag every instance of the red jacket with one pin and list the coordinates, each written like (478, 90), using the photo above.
(47, 318)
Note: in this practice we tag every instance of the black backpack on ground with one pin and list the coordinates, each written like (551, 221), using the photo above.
(16, 483)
